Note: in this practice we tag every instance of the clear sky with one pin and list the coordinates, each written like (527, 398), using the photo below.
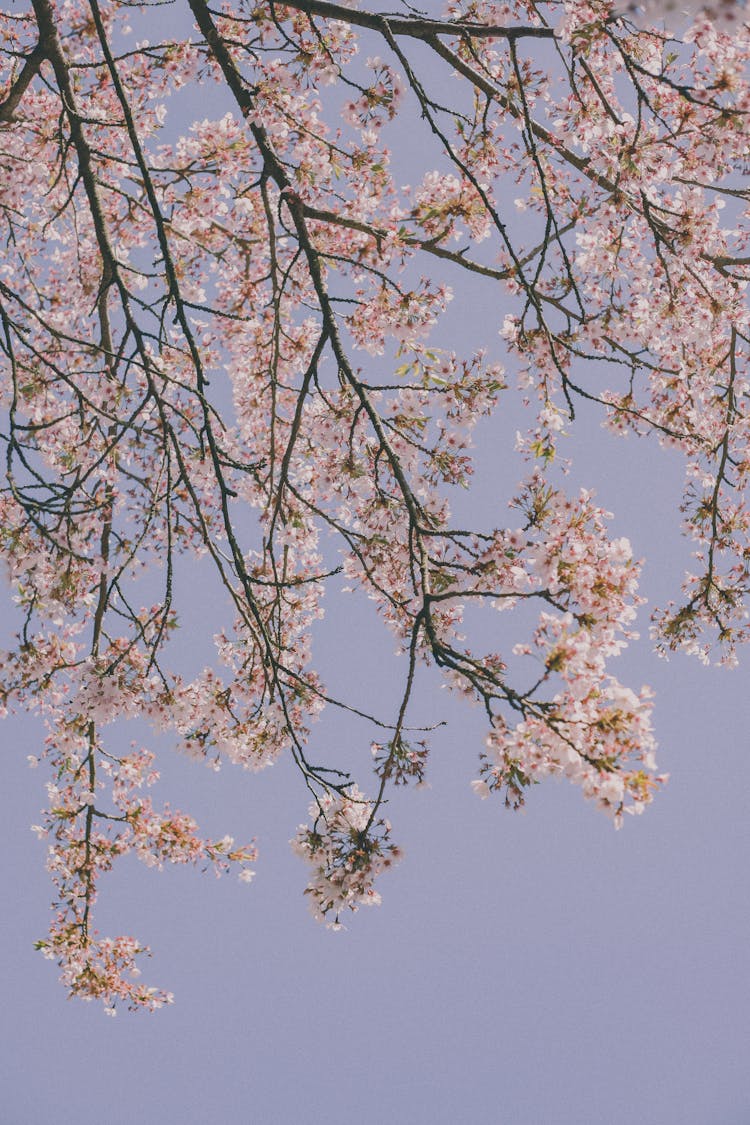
(535, 968)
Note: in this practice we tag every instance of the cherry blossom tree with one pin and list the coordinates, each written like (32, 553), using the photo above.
(220, 341)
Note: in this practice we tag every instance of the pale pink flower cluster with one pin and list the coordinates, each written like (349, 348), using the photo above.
(347, 848)
(378, 102)
(449, 208)
(84, 841)
(103, 968)
(676, 16)
(577, 720)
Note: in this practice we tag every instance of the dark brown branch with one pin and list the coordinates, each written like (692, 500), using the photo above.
(417, 27)
(29, 71)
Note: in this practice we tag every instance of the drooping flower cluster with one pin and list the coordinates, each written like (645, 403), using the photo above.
(347, 847)
(84, 839)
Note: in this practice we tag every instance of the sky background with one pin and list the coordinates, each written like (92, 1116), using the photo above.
(533, 968)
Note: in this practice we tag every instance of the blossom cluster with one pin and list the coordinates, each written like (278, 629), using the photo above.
(347, 849)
